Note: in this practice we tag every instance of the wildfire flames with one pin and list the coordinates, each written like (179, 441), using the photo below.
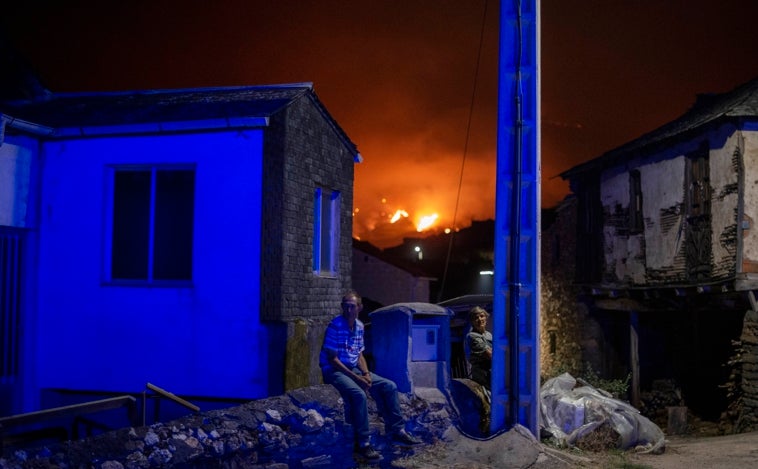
(424, 222)
(398, 215)
(387, 227)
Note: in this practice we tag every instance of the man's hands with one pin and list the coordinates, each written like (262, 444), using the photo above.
(363, 380)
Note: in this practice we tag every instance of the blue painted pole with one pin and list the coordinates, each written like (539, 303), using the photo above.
(515, 373)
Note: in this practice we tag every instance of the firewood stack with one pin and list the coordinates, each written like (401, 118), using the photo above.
(664, 393)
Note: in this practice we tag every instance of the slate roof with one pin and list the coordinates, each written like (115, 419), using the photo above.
(138, 107)
(708, 110)
(111, 109)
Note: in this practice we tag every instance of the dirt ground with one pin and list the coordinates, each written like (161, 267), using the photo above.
(731, 451)
(516, 450)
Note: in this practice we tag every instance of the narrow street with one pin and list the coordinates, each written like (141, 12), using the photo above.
(731, 451)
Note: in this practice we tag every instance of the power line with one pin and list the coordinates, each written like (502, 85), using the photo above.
(465, 149)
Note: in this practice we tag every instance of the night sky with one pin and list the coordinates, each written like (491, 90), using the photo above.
(399, 76)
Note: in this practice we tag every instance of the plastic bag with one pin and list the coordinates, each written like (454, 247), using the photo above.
(568, 413)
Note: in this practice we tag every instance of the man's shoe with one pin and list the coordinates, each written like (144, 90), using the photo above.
(403, 438)
(368, 453)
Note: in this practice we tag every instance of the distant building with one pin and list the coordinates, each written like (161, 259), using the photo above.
(667, 252)
(197, 239)
(456, 260)
(386, 280)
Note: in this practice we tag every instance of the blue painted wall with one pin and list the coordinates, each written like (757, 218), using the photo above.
(203, 339)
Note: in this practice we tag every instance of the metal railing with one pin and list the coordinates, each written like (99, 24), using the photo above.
(162, 393)
(44, 418)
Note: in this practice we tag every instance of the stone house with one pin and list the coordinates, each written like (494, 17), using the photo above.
(667, 253)
(198, 239)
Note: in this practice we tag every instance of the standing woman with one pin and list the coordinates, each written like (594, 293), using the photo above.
(479, 344)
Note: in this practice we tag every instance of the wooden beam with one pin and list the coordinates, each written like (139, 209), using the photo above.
(620, 304)
(73, 410)
(634, 359)
(68, 411)
(173, 397)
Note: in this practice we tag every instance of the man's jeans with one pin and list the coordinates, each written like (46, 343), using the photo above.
(384, 392)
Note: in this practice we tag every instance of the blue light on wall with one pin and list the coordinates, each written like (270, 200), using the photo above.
(200, 336)
(515, 372)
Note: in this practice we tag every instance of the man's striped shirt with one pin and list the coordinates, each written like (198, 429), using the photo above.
(346, 343)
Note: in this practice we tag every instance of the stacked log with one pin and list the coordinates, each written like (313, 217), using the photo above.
(748, 412)
(654, 403)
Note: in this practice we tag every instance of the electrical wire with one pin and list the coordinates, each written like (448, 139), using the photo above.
(465, 150)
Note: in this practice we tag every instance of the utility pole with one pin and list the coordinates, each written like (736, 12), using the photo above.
(515, 367)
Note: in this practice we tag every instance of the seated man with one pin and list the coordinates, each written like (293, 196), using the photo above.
(344, 366)
(479, 347)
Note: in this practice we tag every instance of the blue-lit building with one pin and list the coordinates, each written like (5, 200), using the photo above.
(197, 239)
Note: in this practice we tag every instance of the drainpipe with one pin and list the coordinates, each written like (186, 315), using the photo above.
(23, 126)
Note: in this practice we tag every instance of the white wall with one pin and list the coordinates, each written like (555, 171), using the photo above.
(657, 254)
(15, 173)
(663, 191)
(750, 235)
(385, 283)
(724, 202)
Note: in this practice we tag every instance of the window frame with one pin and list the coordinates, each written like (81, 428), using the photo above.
(698, 180)
(636, 212)
(326, 225)
(110, 220)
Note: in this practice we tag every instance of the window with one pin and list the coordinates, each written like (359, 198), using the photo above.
(326, 225)
(635, 202)
(556, 250)
(553, 342)
(11, 249)
(699, 184)
(152, 229)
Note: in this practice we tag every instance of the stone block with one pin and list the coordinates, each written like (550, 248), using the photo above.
(677, 420)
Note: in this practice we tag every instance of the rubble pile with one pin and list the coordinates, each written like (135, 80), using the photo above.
(303, 428)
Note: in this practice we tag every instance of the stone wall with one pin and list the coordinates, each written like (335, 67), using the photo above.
(748, 391)
(303, 151)
(563, 321)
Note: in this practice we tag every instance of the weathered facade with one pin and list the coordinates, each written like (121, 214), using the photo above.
(667, 246)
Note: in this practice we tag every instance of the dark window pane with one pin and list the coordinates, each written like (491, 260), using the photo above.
(131, 225)
(326, 232)
(317, 220)
(174, 216)
(635, 203)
